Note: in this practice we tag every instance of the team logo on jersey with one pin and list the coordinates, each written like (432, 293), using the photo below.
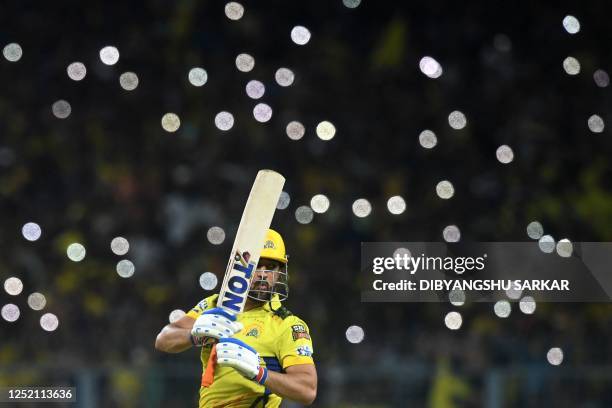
(253, 333)
(305, 351)
(299, 332)
(253, 330)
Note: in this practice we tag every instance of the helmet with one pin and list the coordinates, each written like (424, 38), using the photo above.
(274, 249)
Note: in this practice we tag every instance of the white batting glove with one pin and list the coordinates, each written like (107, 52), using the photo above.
(214, 324)
(242, 357)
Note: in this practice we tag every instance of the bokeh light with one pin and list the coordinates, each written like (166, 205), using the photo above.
(10, 312)
(61, 109)
(571, 24)
(502, 308)
(37, 301)
(12, 52)
(565, 248)
(326, 130)
(128, 81)
(456, 297)
(76, 71)
(571, 66)
(234, 10)
(76, 252)
(355, 334)
(284, 76)
(457, 120)
(255, 89)
(125, 268)
(197, 76)
(319, 203)
(401, 252)
(175, 315)
(49, 322)
(351, 3)
(171, 122)
(224, 121)
(362, 207)
(601, 78)
(208, 281)
(596, 124)
(300, 35)
(514, 293)
(283, 201)
(504, 154)
(31, 231)
(555, 356)
(430, 67)
(428, 139)
(120, 246)
(396, 205)
(109, 55)
(535, 230)
(453, 320)
(245, 62)
(546, 244)
(13, 286)
(445, 189)
(215, 235)
(451, 233)
(304, 214)
(262, 112)
(527, 305)
(295, 130)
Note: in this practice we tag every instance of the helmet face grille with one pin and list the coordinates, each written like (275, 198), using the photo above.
(262, 290)
(277, 280)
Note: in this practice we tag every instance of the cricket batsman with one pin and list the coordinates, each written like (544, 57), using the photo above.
(261, 355)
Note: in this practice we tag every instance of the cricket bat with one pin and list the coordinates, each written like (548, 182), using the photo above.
(249, 241)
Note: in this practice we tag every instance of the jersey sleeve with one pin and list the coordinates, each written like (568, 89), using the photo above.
(202, 306)
(295, 344)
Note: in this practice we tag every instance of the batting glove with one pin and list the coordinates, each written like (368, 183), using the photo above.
(242, 357)
(214, 324)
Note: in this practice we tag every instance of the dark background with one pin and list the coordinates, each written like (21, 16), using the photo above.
(110, 169)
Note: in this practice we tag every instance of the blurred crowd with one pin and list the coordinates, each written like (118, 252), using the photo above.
(109, 170)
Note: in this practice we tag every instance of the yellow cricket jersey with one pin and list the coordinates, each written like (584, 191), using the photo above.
(280, 338)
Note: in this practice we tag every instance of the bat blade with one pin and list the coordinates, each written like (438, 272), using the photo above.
(248, 244)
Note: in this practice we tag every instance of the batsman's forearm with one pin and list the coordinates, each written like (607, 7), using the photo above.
(173, 339)
(296, 387)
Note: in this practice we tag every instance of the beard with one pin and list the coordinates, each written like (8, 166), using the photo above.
(261, 291)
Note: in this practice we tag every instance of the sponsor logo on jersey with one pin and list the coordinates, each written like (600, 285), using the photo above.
(299, 332)
(201, 306)
(305, 351)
